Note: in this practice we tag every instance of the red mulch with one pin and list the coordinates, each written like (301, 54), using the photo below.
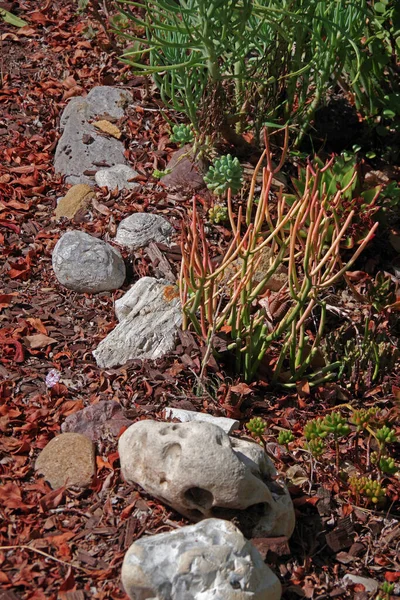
(69, 544)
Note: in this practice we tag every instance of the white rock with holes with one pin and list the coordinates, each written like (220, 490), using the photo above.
(208, 561)
(201, 472)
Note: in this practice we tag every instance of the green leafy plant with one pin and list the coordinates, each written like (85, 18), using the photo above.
(370, 488)
(362, 417)
(225, 173)
(11, 19)
(228, 65)
(285, 437)
(316, 446)
(218, 213)
(182, 134)
(336, 425)
(365, 356)
(257, 426)
(385, 591)
(314, 429)
(385, 435)
(385, 463)
(302, 236)
(159, 174)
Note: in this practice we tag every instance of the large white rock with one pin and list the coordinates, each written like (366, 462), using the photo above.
(202, 473)
(184, 416)
(140, 229)
(117, 177)
(87, 264)
(149, 315)
(208, 561)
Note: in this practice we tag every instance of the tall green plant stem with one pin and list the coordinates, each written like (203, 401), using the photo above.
(304, 234)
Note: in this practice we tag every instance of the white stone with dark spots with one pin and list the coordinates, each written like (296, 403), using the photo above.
(208, 561)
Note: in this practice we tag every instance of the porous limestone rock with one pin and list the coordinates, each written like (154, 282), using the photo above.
(117, 177)
(208, 561)
(77, 197)
(184, 416)
(82, 149)
(68, 459)
(84, 263)
(149, 315)
(140, 229)
(201, 472)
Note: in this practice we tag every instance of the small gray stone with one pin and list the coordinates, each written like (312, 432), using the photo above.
(149, 315)
(140, 229)
(117, 177)
(87, 264)
(208, 561)
(81, 147)
(228, 425)
(68, 459)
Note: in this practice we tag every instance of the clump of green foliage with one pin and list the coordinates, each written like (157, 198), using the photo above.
(385, 591)
(285, 437)
(302, 237)
(224, 173)
(182, 134)
(218, 214)
(237, 64)
(370, 488)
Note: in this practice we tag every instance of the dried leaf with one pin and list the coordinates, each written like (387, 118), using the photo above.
(108, 128)
(38, 340)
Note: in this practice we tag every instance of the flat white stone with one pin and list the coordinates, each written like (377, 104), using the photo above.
(208, 561)
(140, 229)
(117, 177)
(150, 316)
(201, 472)
(84, 263)
(228, 425)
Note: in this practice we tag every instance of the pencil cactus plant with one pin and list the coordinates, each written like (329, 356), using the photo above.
(303, 236)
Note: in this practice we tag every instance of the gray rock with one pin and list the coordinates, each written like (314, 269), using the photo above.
(149, 315)
(98, 421)
(87, 264)
(201, 472)
(81, 147)
(68, 459)
(140, 229)
(208, 561)
(117, 177)
(228, 425)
